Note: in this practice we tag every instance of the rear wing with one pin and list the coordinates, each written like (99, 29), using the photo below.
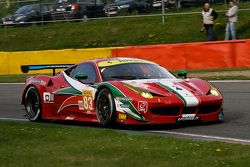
(27, 68)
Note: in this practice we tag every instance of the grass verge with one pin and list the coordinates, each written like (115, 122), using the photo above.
(210, 74)
(13, 78)
(119, 32)
(33, 144)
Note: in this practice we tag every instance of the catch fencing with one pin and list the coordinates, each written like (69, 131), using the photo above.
(8, 7)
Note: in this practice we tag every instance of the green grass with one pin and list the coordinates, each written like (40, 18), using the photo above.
(31, 144)
(118, 32)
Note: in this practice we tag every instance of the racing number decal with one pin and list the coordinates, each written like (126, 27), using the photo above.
(87, 99)
(87, 103)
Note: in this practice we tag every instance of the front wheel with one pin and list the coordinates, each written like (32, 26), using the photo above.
(105, 108)
(33, 104)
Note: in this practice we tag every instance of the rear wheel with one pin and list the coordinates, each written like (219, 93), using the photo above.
(33, 104)
(105, 108)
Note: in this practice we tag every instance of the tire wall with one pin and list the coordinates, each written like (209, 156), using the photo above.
(10, 62)
(199, 55)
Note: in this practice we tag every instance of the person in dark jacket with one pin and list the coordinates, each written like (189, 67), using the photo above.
(209, 15)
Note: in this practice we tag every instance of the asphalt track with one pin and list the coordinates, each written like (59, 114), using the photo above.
(235, 128)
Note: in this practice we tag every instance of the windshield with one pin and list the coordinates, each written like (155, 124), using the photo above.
(26, 9)
(133, 71)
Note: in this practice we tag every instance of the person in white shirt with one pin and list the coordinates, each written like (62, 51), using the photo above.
(208, 15)
(232, 17)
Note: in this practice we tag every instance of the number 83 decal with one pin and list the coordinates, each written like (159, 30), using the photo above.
(87, 100)
(87, 103)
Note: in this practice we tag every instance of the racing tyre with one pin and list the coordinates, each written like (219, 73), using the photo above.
(105, 108)
(33, 104)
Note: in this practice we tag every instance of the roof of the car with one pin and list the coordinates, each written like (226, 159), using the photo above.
(116, 59)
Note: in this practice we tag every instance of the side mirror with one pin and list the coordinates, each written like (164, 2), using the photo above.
(182, 73)
(81, 76)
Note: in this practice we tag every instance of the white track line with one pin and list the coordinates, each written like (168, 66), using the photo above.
(229, 139)
(13, 119)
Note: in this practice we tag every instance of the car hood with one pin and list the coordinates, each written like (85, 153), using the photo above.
(12, 17)
(162, 87)
(189, 91)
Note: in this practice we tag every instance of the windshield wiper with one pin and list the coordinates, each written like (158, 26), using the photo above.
(124, 77)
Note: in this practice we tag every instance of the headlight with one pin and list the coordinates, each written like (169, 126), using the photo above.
(213, 91)
(19, 18)
(143, 93)
(147, 95)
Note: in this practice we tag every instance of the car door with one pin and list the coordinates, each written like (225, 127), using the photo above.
(94, 8)
(36, 12)
(77, 99)
(46, 12)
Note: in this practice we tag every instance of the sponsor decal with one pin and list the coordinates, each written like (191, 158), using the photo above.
(122, 116)
(36, 81)
(80, 104)
(48, 97)
(124, 99)
(69, 118)
(113, 62)
(88, 112)
(87, 93)
(188, 117)
(87, 96)
(143, 106)
(124, 105)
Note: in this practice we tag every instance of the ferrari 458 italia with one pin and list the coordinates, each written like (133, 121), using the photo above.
(119, 90)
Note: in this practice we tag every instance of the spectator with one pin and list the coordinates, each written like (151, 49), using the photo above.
(209, 15)
(232, 17)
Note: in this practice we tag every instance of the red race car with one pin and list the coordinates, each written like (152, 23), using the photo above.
(123, 90)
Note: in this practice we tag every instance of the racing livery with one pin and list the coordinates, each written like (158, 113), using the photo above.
(119, 90)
